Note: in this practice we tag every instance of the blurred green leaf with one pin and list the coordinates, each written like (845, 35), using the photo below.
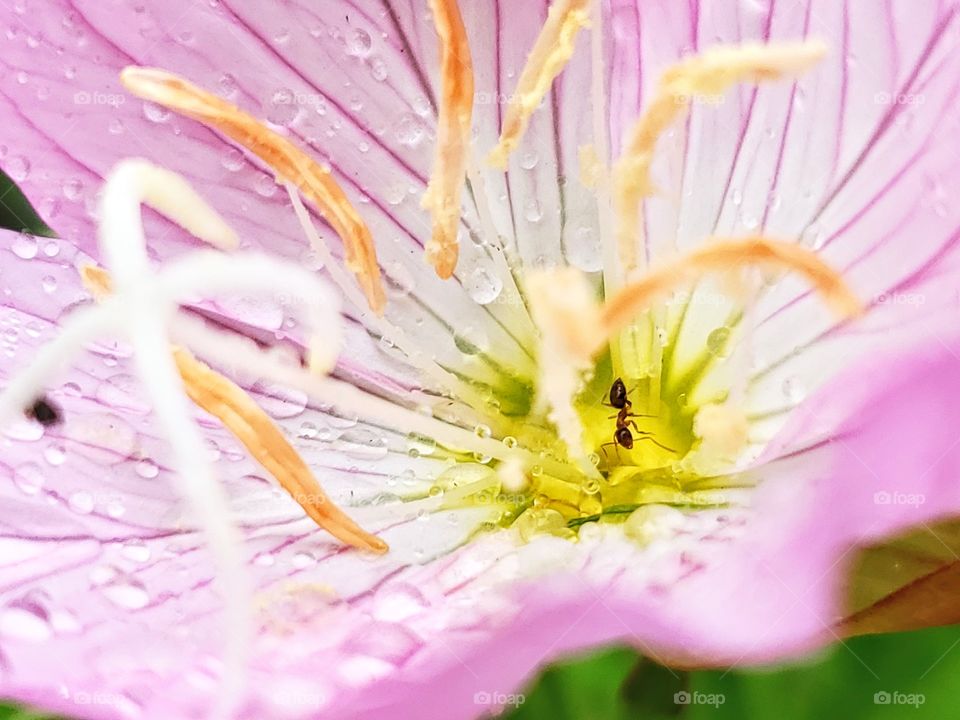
(909, 582)
(16, 212)
(879, 677)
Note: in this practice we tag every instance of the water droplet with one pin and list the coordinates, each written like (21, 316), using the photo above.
(25, 620)
(49, 284)
(359, 43)
(155, 113)
(537, 521)
(529, 160)
(265, 185)
(73, 189)
(420, 444)
(29, 478)
(136, 550)
(793, 389)
(583, 252)
(227, 86)
(55, 455)
(18, 168)
(232, 159)
(303, 560)
(398, 602)
(81, 502)
(484, 286)
(279, 401)
(482, 431)
(125, 591)
(282, 110)
(717, 341)
(147, 469)
(364, 444)
(24, 246)
(410, 130)
(378, 69)
(532, 210)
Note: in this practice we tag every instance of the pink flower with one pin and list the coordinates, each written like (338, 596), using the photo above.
(464, 426)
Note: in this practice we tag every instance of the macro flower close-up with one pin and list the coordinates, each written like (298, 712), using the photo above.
(360, 359)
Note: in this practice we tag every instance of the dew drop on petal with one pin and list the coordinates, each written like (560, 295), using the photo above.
(25, 246)
(583, 251)
(29, 478)
(398, 602)
(232, 159)
(359, 43)
(136, 551)
(282, 109)
(18, 168)
(27, 621)
(280, 402)
(532, 210)
(55, 455)
(81, 502)
(410, 130)
(483, 286)
(126, 592)
(147, 469)
(717, 341)
(793, 389)
(155, 113)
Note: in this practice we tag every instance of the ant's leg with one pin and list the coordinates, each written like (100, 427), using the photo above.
(649, 436)
(616, 449)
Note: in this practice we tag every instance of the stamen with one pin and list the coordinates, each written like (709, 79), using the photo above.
(442, 197)
(266, 443)
(707, 75)
(287, 161)
(563, 307)
(254, 428)
(724, 255)
(551, 52)
(348, 399)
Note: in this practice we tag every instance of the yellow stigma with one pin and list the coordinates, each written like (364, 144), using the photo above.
(265, 442)
(442, 197)
(285, 158)
(707, 75)
(550, 54)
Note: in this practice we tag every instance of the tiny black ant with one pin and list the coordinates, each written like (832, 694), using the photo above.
(622, 436)
(44, 412)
